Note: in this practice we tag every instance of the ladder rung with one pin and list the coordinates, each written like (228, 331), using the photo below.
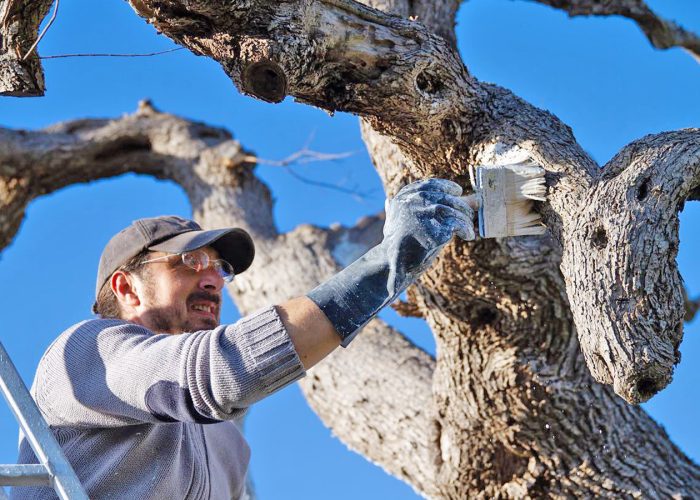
(57, 472)
(24, 475)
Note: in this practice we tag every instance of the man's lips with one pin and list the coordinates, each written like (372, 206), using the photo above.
(208, 309)
(205, 304)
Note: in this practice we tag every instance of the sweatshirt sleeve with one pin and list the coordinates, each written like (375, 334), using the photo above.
(111, 373)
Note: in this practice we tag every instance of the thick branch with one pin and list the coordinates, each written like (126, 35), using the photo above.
(404, 442)
(661, 33)
(19, 29)
(510, 364)
(220, 184)
(509, 360)
(519, 414)
(342, 56)
(410, 86)
(620, 260)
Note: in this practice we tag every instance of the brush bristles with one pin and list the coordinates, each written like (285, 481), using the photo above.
(522, 220)
(524, 180)
(505, 193)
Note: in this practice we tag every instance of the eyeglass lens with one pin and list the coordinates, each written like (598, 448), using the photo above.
(199, 261)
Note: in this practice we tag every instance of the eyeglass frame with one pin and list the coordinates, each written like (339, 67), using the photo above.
(217, 264)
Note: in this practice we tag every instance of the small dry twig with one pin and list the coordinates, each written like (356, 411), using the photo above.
(306, 155)
(53, 17)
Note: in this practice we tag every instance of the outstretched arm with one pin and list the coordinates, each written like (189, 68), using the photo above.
(313, 335)
(420, 221)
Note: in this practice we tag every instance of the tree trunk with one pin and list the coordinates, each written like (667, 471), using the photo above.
(524, 326)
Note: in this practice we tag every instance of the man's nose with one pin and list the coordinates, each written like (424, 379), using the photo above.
(209, 279)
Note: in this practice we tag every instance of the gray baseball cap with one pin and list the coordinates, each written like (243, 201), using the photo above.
(173, 234)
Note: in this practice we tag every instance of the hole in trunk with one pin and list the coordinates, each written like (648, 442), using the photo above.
(484, 316)
(643, 190)
(266, 80)
(428, 83)
(599, 238)
(647, 387)
(124, 146)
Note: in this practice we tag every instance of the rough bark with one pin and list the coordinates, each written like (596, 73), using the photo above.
(411, 86)
(662, 34)
(508, 409)
(19, 26)
(212, 169)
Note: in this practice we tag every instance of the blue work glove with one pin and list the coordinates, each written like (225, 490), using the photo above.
(420, 220)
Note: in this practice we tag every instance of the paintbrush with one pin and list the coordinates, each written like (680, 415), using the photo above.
(504, 197)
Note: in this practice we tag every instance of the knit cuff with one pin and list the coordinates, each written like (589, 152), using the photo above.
(271, 350)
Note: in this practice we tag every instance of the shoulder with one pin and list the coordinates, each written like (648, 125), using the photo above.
(86, 334)
(97, 326)
(84, 343)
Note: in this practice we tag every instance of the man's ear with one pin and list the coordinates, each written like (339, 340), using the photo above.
(124, 288)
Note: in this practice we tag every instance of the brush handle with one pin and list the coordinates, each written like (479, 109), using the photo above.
(473, 200)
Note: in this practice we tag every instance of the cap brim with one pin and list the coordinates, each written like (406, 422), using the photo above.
(234, 245)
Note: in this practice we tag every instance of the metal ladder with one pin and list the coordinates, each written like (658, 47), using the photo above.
(53, 469)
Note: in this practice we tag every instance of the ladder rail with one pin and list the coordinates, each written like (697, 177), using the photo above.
(24, 475)
(60, 473)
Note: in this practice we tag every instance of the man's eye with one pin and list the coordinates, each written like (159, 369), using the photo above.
(190, 261)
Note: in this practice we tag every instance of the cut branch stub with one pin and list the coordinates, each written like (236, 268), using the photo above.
(20, 78)
(19, 29)
(619, 259)
(265, 80)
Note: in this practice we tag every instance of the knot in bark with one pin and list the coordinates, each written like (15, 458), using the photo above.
(265, 80)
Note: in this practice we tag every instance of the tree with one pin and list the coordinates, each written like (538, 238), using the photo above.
(519, 323)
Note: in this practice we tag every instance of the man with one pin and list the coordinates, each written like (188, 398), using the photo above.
(144, 399)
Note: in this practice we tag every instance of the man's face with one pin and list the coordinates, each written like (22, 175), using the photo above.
(177, 299)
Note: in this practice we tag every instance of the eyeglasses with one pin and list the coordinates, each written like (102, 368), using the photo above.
(199, 260)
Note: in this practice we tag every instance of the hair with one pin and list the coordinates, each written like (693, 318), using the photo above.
(107, 305)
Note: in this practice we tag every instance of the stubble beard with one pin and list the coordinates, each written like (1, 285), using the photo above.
(171, 319)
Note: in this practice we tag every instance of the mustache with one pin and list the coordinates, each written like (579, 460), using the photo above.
(201, 295)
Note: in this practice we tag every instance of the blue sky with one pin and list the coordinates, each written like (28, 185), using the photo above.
(600, 76)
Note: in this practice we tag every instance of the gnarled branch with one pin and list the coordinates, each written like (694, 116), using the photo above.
(511, 396)
(662, 34)
(217, 175)
(620, 260)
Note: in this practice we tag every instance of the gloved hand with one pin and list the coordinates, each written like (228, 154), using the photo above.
(420, 220)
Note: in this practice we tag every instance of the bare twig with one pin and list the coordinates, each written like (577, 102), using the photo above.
(53, 17)
(358, 195)
(114, 55)
(306, 155)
